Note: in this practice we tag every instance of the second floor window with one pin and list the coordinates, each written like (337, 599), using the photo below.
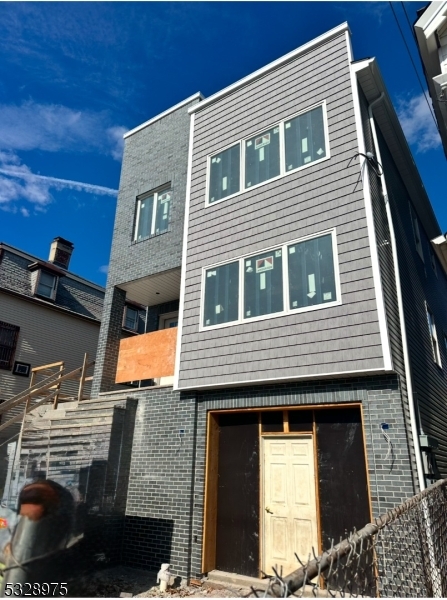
(289, 145)
(434, 337)
(152, 216)
(130, 320)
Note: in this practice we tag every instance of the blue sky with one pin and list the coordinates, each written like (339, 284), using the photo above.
(75, 76)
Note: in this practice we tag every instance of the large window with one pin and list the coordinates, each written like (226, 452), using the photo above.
(289, 145)
(8, 342)
(152, 216)
(294, 277)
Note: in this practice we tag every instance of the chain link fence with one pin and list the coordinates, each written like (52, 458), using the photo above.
(402, 554)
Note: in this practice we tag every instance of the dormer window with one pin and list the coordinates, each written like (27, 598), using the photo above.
(46, 285)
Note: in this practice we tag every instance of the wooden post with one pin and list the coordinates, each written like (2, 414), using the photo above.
(82, 377)
(58, 386)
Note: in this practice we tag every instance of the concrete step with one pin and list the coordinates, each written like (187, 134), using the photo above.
(233, 579)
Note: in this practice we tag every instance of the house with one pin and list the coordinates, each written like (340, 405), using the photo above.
(431, 38)
(47, 315)
(293, 369)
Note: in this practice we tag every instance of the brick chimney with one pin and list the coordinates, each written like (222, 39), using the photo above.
(60, 252)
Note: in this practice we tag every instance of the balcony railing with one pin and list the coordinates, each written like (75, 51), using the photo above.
(147, 356)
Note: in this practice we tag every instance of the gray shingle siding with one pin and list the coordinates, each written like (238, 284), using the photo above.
(336, 339)
(420, 285)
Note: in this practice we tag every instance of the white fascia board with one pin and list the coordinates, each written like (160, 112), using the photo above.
(432, 18)
(272, 66)
(198, 96)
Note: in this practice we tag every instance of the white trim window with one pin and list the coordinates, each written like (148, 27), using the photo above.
(433, 337)
(130, 317)
(417, 234)
(283, 148)
(152, 214)
(298, 276)
(46, 285)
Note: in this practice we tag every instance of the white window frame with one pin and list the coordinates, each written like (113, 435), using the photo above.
(166, 317)
(416, 233)
(135, 308)
(433, 336)
(285, 254)
(141, 199)
(54, 287)
(282, 153)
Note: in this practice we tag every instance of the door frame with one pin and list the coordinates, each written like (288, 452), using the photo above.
(209, 519)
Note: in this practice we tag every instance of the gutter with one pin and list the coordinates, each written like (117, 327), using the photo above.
(411, 400)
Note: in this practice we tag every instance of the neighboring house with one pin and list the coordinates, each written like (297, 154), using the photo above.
(47, 315)
(431, 37)
(279, 235)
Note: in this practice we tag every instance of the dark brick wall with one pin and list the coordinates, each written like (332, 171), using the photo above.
(164, 515)
(153, 156)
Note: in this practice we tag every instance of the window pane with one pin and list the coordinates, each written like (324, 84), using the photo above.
(311, 272)
(304, 139)
(224, 173)
(46, 283)
(144, 208)
(262, 157)
(163, 208)
(131, 319)
(221, 294)
(263, 292)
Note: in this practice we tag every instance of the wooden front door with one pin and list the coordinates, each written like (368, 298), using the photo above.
(289, 510)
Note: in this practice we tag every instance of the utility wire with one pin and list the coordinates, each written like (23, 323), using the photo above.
(408, 21)
(414, 66)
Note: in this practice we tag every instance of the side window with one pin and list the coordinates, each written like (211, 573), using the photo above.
(221, 294)
(305, 139)
(8, 341)
(224, 173)
(130, 318)
(433, 337)
(417, 233)
(152, 214)
(433, 260)
(46, 285)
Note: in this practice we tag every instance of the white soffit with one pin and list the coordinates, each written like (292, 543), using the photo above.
(372, 84)
(440, 246)
(154, 289)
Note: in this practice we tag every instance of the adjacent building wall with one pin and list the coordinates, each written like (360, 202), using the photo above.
(329, 194)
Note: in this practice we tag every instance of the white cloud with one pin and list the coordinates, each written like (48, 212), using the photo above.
(17, 182)
(104, 269)
(54, 128)
(417, 123)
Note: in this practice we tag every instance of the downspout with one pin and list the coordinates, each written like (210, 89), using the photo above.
(411, 400)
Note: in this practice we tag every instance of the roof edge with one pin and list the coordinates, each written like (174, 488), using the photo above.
(198, 95)
(271, 66)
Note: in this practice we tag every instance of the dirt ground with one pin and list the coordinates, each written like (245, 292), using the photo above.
(124, 582)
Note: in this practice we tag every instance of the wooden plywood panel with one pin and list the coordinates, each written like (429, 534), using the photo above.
(147, 356)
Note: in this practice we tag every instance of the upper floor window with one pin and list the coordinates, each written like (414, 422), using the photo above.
(46, 285)
(8, 342)
(434, 337)
(433, 260)
(417, 233)
(130, 319)
(152, 214)
(294, 277)
(283, 148)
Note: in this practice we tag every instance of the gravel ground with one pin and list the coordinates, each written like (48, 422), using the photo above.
(132, 583)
